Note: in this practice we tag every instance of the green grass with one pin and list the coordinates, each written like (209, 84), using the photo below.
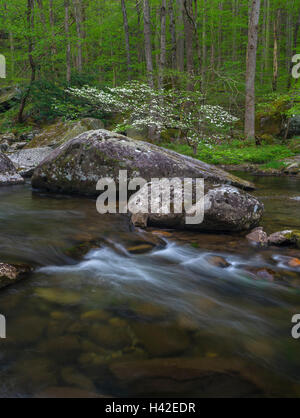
(235, 153)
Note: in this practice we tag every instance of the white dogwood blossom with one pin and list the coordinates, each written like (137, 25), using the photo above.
(143, 107)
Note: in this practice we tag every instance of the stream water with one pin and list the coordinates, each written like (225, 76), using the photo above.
(146, 313)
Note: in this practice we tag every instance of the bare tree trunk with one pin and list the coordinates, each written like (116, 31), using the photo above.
(30, 26)
(189, 39)
(78, 19)
(68, 44)
(251, 70)
(180, 36)
(163, 43)
(127, 43)
(173, 34)
(204, 47)
(53, 46)
(148, 45)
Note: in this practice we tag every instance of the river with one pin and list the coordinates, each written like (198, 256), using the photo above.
(146, 313)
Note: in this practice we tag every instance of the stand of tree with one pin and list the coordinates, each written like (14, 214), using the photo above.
(206, 45)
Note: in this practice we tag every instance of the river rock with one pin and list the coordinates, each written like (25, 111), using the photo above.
(26, 160)
(56, 134)
(10, 274)
(226, 209)
(161, 341)
(10, 138)
(76, 166)
(258, 236)
(60, 392)
(58, 295)
(288, 237)
(74, 378)
(201, 372)
(8, 172)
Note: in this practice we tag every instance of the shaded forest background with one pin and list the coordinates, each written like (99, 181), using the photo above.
(188, 45)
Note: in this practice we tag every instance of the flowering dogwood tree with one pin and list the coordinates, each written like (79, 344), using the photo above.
(143, 106)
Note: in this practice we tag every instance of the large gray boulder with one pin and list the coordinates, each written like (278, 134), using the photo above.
(76, 166)
(26, 160)
(226, 209)
(8, 172)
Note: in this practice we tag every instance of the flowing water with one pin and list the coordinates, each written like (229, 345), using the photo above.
(113, 312)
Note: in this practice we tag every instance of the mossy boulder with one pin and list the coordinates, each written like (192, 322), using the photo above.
(59, 133)
(271, 120)
(76, 166)
(283, 238)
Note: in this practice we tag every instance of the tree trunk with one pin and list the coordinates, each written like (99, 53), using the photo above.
(68, 44)
(180, 36)
(147, 42)
(251, 70)
(163, 44)
(78, 20)
(30, 26)
(173, 34)
(189, 39)
(127, 43)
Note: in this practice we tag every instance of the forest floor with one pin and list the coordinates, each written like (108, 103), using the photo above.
(275, 159)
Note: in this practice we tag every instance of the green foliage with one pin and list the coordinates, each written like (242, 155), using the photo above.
(50, 100)
(235, 153)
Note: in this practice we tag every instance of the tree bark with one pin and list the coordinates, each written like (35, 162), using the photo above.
(189, 39)
(78, 20)
(68, 44)
(180, 36)
(127, 42)
(30, 26)
(147, 43)
(163, 43)
(251, 70)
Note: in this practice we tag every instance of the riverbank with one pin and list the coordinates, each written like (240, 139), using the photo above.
(264, 160)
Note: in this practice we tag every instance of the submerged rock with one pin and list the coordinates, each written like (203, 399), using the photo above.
(161, 341)
(226, 209)
(60, 392)
(10, 274)
(8, 172)
(26, 160)
(258, 236)
(58, 295)
(77, 166)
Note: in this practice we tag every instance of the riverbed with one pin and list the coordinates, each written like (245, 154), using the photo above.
(109, 311)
